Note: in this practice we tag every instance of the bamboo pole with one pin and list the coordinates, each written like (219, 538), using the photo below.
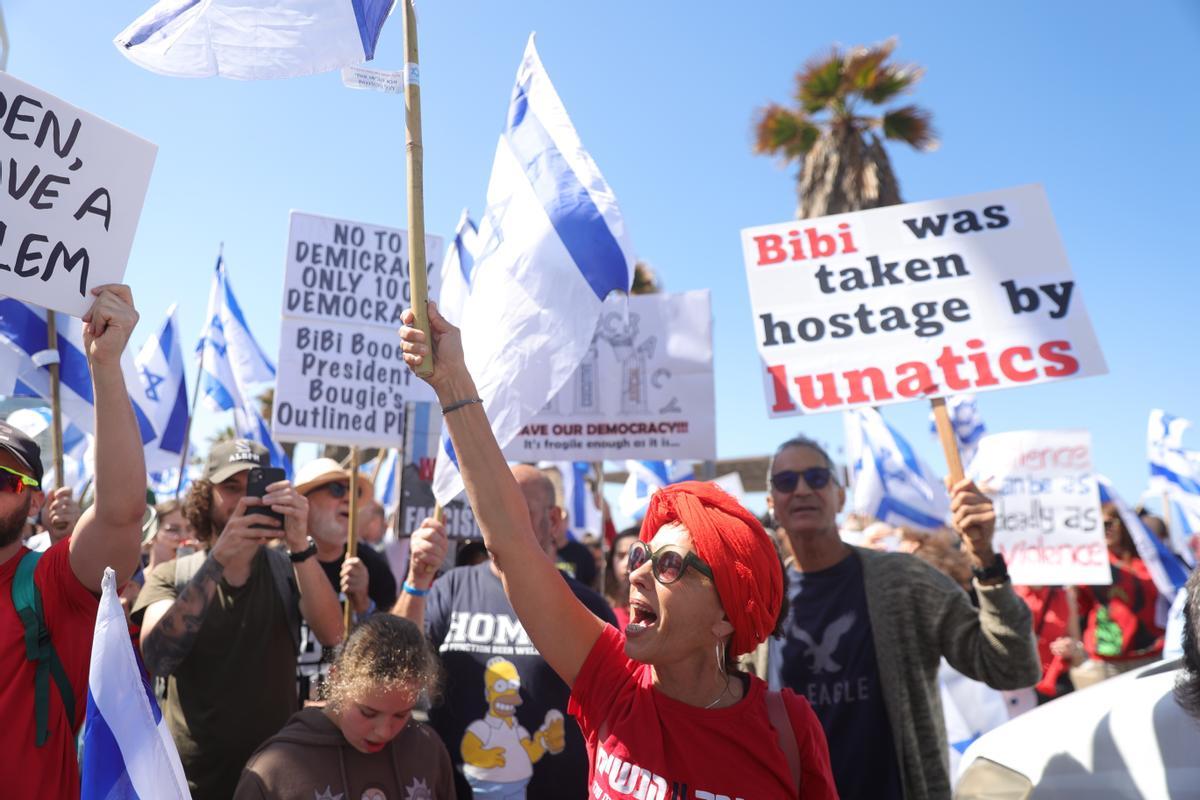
(56, 426)
(352, 538)
(417, 278)
(945, 429)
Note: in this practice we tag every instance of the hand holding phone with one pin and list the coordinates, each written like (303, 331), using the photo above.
(256, 486)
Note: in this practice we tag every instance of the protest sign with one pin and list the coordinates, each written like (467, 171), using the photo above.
(73, 191)
(912, 301)
(341, 377)
(1048, 523)
(421, 436)
(643, 391)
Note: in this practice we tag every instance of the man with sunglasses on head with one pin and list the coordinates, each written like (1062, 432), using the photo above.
(223, 624)
(43, 688)
(504, 717)
(866, 631)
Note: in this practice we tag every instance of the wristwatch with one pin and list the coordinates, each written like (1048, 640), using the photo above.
(998, 571)
(305, 554)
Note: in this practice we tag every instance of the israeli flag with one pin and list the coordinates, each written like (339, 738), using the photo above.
(579, 501)
(128, 752)
(457, 269)
(164, 389)
(1165, 570)
(963, 411)
(231, 363)
(385, 481)
(79, 459)
(253, 39)
(23, 329)
(646, 478)
(891, 483)
(1174, 469)
(551, 247)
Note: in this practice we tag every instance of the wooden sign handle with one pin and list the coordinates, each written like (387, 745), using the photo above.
(352, 537)
(945, 429)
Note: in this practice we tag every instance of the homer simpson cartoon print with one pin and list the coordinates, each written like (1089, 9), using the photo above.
(498, 753)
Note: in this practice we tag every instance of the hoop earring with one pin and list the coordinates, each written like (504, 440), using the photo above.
(720, 665)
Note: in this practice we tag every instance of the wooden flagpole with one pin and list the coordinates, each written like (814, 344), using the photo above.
(417, 278)
(56, 425)
(187, 430)
(945, 429)
(352, 538)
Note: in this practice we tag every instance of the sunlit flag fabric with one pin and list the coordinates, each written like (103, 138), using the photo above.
(891, 483)
(253, 39)
(78, 447)
(128, 752)
(1174, 469)
(1167, 573)
(583, 515)
(552, 246)
(385, 481)
(963, 411)
(160, 370)
(457, 269)
(646, 478)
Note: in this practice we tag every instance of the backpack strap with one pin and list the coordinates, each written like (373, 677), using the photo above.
(284, 577)
(777, 714)
(27, 600)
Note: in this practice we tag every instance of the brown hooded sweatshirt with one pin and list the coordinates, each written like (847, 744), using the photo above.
(311, 759)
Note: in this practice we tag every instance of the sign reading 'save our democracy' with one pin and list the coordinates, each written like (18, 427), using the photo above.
(1048, 523)
(918, 300)
(73, 187)
(341, 377)
(643, 391)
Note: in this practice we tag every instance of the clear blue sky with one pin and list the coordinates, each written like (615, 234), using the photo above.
(1096, 102)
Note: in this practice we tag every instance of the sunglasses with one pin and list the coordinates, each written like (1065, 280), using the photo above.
(668, 564)
(814, 477)
(340, 490)
(15, 482)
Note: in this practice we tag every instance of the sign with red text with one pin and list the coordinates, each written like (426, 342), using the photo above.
(1048, 523)
(341, 377)
(644, 390)
(913, 301)
(73, 192)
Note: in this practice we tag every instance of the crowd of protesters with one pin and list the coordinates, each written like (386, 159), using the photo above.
(702, 654)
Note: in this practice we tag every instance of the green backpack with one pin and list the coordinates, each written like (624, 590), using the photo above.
(27, 599)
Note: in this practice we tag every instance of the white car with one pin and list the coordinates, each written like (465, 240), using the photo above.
(1125, 737)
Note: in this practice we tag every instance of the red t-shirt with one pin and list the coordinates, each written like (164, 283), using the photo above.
(658, 747)
(49, 771)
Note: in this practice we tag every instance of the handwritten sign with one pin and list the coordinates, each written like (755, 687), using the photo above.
(1048, 523)
(72, 193)
(915, 301)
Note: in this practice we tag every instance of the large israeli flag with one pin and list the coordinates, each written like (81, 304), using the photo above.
(963, 411)
(128, 752)
(1165, 570)
(164, 390)
(891, 483)
(552, 246)
(457, 270)
(646, 478)
(253, 39)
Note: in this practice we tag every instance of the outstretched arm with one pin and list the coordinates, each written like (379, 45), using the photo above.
(109, 534)
(561, 627)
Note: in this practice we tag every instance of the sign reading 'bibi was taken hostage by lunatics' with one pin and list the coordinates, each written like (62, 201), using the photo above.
(918, 300)
(341, 377)
(72, 193)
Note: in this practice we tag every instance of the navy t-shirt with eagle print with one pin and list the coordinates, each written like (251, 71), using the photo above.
(827, 654)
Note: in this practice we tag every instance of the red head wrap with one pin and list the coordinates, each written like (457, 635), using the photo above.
(732, 541)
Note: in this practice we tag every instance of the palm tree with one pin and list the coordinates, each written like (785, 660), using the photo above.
(843, 164)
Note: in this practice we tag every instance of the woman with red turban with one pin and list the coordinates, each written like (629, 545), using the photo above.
(662, 707)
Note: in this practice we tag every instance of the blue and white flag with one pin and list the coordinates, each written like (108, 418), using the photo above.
(552, 245)
(646, 478)
(79, 460)
(385, 480)
(23, 328)
(963, 411)
(1165, 570)
(232, 363)
(457, 270)
(891, 484)
(1174, 469)
(164, 388)
(1183, 526)
(128, 752)
(579, 501)
(253, 39)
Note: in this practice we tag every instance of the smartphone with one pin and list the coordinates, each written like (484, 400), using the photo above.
(256, 486)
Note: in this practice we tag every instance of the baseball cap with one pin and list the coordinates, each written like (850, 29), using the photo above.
(320, 471)
(228, 458)
(25, 449)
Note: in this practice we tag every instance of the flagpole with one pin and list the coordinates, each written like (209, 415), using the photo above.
(599, 497)
(352, 538)
(949, 442)
(187, 430)
(56, 425)
(417, 278)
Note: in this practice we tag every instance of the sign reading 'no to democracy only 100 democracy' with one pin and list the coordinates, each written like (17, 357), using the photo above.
(341, 377)
(918, 300)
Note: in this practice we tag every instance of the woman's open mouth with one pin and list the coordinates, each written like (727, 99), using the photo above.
(641, 618)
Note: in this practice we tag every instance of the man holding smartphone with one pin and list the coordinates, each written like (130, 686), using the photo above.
(223, 625)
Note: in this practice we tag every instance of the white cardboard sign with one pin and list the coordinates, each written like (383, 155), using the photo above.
(341, 378)
(644, 391)
(912, 301)
(72, 192)
(1048, 523)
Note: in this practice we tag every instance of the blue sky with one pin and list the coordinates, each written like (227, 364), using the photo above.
(1093, 101)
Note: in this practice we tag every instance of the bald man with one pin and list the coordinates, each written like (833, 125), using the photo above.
(510, 737)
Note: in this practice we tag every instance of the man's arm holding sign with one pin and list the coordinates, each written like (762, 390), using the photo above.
(109, 534)
(561, 627)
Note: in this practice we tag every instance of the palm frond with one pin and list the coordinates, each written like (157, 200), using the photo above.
(912, 125)
(864, 63)
(890, 80)
(820, 82)
(780, 131)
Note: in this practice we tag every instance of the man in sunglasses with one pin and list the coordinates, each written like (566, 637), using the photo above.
(518, 743)
(866, 631)
(42, 701)
(223, 624)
